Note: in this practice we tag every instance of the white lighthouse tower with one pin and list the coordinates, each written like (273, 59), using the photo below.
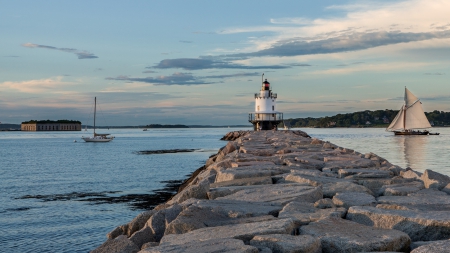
(266, 116)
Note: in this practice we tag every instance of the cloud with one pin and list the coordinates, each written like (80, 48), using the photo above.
(197, 64)
(234, 75)
(343, 43)
(49, 85)
(149, 71)
(181, 78)
(80, 54)
(175, 79)
(435, 74)
(358, 27)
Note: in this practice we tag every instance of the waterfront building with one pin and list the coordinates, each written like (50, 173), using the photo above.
(51, 125)
(266, 116)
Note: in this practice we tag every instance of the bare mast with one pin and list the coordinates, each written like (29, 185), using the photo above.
(95, 110)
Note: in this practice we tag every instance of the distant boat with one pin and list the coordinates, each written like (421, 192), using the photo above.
(145, 129)
(97, 137)
(411, 119)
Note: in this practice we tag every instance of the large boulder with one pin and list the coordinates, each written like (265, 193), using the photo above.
(304, 212)
(401, 189)
(243, 232)
(419, 225)
(278, 194)
(138, 222)
(159, 221)
(282, 243)
(249, 172)
(411, 174)
(198, 191)
(244, 182)
(311, 180)
(143, 236)
(215, 245)
(348, 199)
(436, 180)
(120, 244)
(435, 247)
(364, 173)
(339, 235)
(237, 208)
(331, 189)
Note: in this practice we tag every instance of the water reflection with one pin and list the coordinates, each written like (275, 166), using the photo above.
(413, 149)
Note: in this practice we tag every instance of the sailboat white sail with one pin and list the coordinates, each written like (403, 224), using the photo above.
(97, 137)
(410, 118)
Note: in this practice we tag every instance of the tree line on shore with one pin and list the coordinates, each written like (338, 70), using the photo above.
(367, 118)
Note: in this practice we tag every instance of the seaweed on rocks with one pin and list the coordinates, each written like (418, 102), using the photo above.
(165, 151)
(136, 201)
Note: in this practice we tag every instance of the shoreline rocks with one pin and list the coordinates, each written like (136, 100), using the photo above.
(283, 191)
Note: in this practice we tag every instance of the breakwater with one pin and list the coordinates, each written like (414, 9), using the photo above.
(282, 191)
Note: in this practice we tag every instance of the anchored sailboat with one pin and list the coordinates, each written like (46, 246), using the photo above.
(97, 137)
(411, 118)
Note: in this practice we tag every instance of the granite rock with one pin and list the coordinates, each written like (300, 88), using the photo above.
(282, 243)
(278, 194)
(419, 225)
(120, 244)
(348, 199)
(243, 232)
(339, 235)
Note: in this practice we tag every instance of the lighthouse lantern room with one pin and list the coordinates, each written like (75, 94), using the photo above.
(266, 116)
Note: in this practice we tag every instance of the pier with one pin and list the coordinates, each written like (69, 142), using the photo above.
(283, 191)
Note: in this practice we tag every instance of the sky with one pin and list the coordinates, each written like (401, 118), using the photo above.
(200, 62)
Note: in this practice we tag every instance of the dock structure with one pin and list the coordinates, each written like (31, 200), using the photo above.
(283, 191)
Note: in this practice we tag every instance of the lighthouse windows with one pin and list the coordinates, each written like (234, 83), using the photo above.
(258, 108)
(273, 108)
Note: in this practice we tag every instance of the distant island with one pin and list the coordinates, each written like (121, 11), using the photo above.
(166, 126)
(367, 118)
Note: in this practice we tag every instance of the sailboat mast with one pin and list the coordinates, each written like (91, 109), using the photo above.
(95, 111)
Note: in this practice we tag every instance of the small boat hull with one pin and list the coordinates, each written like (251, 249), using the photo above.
(411, 133)
(96, 139)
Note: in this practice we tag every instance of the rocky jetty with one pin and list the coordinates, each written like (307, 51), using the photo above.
(283, 191)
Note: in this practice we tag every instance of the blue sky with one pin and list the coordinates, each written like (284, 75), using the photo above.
(200, 62)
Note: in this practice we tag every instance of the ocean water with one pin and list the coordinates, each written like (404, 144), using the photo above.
(46, 179)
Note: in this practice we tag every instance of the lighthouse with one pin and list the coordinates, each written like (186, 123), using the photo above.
(266, 116)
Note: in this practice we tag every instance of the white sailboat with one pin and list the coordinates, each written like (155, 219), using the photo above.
(411, 118)
(97, 137)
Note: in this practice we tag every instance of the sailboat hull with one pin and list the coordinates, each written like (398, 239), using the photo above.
(411, 133)
(94, 139)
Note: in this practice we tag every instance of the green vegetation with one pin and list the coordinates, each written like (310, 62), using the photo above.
(51, 121)
(379, 118)
(166, 126)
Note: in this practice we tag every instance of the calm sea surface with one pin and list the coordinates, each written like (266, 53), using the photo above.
(44, 177)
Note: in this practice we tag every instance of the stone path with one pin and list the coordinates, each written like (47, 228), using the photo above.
(283, 191)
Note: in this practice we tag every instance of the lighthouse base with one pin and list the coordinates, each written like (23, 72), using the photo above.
(265, 125)
(265, 121)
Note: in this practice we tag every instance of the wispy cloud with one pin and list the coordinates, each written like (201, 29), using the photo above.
(81, 54)
(49, 85)
(179, 78)
(197, 64)
(234, 75)
(174, 79)
(344, 43)
(435, 74)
